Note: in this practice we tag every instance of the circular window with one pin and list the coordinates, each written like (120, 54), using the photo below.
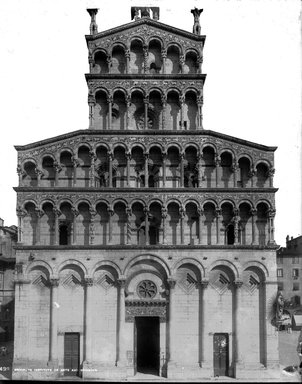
(146, 289)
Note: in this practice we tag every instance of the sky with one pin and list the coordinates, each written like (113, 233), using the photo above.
(252, 58)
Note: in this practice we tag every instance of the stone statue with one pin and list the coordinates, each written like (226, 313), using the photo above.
(196, 13)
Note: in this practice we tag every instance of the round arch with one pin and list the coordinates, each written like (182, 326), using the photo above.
(189, 260)
(153, 257)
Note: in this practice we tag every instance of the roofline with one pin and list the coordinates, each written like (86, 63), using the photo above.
(90, 132)
(146, 76)
(145, 20)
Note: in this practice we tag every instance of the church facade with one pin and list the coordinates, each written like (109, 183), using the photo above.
(146, 242)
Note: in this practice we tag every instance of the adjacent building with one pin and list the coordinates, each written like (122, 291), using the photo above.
(146, 242)
(289, 274)
(8, 239)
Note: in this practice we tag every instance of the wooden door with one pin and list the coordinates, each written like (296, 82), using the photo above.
(71, 354)
(221, 354)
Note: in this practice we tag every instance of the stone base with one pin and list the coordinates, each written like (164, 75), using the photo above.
(105, 371)
(35, 370)
(250, 371)
(185, 372)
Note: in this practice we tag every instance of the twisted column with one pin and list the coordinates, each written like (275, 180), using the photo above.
(127, 55)
(182, 171)
(129, 231)
(111, 213)
(164, 156)
(236, 226)
(181, 100)
(91, 104)
(164, 56)
(199, 108)
(164, 107)
(164, 213)
(93, 214)
(92, 168)
(182, 214)
(21, 213)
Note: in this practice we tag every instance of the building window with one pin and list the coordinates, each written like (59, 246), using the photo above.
(296, 286)
(279, 260)
(279, 272)
(295, 273)
(280, 286)
(295, 260)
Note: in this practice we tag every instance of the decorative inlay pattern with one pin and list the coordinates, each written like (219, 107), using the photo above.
(71, 281)
(221, 284)
(40, 281)
(155, 308)
(146, 289)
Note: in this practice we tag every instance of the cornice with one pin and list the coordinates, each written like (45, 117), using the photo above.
(143, 191)
(89, 132)
(145, 76)
(149, 22)
(159, 247)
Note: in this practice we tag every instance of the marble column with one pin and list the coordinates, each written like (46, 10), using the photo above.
(21, 213)
(182, 63)
(146, 105)
(146, 54)
(201, 321)
(164, 213)
(218, 171)
(76, 163)
(200, 215)
(271, 228)
(182, 101)
(128, 157)
(182, 214)
(239, 331)
(129, 231)
(88, 319)
(127, 56)
(92, 168)
(109, 101)
(122, 359)
(110, 213)
(93, 214)
(253, 213)
(75, 213)
(164, 108)
(182, 170)
(39, 174)
(146, 170)
(218, 217)
(164, 56)
(57, 213)
(53, 329)
(39, 214)
(236, 226)
(91, 104)
(110, 157)
(128, 105)
(58, 169)
(146, 212)
(164, 157)
(199, 108)
(199, 167)
(172, 325)
(271, 173)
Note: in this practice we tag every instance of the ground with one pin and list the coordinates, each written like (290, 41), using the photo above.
(287, 351)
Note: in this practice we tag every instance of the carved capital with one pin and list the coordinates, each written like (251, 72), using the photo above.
(93, 212)
(271, 172)
(253, 212)
(75, 161)
(21, 212)
(54, 281)
(164, 212)
(88, 281)
(121, 282)
(128, 212)
(75, 211)
(56, 212)
(163, 53)
(39, 212)
(271, 213)
(57, 166)
(127, 53)
(217, 212)
(204, 284)
(200, 211)
(238, 283)
(110, 211)
(171, 283)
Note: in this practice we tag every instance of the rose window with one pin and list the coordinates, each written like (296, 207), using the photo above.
(146, 289)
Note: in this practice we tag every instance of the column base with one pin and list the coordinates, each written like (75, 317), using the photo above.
(105, 371)
(252, 370)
